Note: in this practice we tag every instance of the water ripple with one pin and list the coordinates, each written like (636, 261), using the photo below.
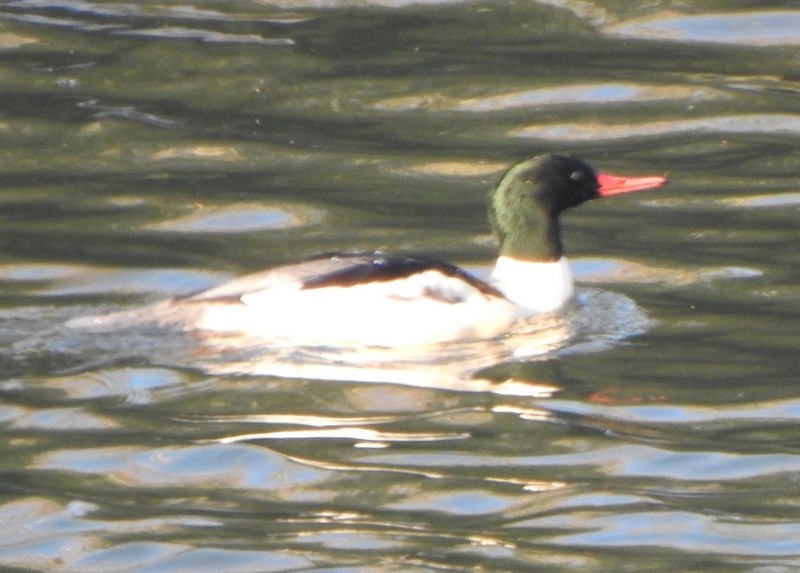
(240, 218)
(745, 123)
(688, 532)
(584, 94)
(179, 33)
(761, 28)
(44, 535)
(770, 412)
(570, 95)
(204, 466)
(360, 434)
(631, 461)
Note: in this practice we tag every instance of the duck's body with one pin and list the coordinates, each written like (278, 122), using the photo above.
(377, 299)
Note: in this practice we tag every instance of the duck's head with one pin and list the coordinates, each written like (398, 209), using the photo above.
(525, 206)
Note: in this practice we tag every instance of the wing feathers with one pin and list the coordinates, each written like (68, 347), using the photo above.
(339, 269)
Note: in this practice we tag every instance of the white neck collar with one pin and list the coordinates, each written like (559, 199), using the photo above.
(535, 286)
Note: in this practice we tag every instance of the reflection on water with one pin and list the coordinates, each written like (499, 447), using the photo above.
(63, 535)
(771, 200)
(150, 150)
(239, 219)
(559, 95)
(767, 28)
(718, 125)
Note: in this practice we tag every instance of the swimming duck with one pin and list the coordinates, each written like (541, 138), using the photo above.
(389, 300)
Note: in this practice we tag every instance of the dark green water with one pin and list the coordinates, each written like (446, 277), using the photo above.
(151, 149)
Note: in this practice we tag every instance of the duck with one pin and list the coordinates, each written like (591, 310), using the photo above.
(380, 299)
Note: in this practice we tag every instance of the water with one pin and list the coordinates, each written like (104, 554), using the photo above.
(154, 149)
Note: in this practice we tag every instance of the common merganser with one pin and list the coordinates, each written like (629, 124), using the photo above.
(386, 300)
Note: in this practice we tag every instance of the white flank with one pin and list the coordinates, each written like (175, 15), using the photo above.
(425, 308)
(536, 286)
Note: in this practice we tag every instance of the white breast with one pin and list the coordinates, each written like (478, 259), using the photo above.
(536, 286)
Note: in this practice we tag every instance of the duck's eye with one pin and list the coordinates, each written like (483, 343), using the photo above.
(577, 176)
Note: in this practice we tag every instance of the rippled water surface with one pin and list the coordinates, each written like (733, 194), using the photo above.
(153, 149)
